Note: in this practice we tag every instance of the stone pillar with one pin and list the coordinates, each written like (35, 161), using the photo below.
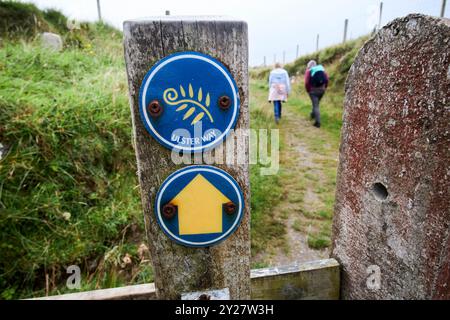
(392, 213)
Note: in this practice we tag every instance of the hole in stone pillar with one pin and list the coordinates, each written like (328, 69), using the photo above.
(379, 191)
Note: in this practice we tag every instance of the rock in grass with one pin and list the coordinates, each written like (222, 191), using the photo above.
(51, 41)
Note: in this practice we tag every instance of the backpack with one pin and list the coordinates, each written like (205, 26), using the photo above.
(318, 77)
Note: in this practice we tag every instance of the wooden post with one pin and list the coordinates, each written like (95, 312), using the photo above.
(180, 269)
(317, 43)
(284, 57)
(99, 11)
(345, 31)
(265, 61)
(297, 52)
(444, 3)
(380, 16)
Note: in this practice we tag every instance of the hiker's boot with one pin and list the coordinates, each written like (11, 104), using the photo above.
(316, 124)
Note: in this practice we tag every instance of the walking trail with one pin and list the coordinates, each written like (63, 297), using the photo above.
(308, 162)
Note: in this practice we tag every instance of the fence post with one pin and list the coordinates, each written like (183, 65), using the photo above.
(99, 12)
(345, 31)
(444, 3)
(392, 212)
(380, 15)
(317, 43)
(180, 269)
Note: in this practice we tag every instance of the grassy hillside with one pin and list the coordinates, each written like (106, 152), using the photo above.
(337, 60)
(68, 188)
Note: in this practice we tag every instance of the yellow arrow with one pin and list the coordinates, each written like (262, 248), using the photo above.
(199, 207)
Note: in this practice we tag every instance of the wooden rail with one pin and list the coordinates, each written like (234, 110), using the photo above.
(311, 280)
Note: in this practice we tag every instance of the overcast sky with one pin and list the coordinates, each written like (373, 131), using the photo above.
(275, 26)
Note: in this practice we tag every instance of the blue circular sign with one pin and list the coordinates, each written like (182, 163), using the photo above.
(199, 206)
(189, 101)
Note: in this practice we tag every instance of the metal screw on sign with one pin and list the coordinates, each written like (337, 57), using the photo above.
(155, 108)
(230, 208)
(169, 210)
(224, 102)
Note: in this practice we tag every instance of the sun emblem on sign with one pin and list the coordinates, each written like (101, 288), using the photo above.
(194, 105)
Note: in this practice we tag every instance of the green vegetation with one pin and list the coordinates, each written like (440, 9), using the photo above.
(303, 188)
(307, 189)
(266, 190)
(337, 59)
(21, 20)
(68, 189)
(319, 241)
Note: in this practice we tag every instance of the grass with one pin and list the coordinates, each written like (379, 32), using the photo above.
(65, 120)
(324, 146)
(319, 241)
(266, 191)
(269, 228)
(21, 19)
(298, 225)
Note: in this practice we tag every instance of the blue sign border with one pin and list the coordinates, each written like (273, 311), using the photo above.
(143, 102)
(199, 168)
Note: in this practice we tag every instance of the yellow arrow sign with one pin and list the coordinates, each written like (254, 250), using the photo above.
(199, 207)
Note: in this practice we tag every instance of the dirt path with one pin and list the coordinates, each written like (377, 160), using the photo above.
(306, 185)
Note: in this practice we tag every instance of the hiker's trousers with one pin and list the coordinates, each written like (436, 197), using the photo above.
(316, 95)
(277, 109)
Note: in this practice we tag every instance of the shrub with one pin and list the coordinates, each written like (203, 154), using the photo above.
(20, 20)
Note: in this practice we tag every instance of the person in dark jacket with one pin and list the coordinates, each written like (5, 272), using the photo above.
(316, 83)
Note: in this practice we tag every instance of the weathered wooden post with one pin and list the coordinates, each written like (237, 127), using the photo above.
(180, 269)
(380, 15)
(392, 213)
(99, 11)
(317, 42)
(345, 31)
